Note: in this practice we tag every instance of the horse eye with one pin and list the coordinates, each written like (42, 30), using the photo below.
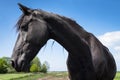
(25, 27)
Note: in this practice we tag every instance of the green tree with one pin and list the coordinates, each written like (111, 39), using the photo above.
(3, 66)
(34, 68)
(44, 67)
(35, 65)
(9, 66)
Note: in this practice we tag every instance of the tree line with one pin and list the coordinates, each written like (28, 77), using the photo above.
(35, 66)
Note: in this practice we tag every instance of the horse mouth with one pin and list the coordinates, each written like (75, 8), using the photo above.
(20, 67)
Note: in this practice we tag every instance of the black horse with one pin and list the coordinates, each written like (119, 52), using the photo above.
(88, 58)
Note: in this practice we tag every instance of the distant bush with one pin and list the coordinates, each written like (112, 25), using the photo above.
(3, 66)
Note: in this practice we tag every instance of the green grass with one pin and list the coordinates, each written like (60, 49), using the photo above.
(36, 76)
(117, 77)
(13, 76)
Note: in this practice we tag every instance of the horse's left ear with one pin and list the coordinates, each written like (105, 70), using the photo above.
(24, 9)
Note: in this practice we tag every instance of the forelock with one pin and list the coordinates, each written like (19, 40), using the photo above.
(19, 22)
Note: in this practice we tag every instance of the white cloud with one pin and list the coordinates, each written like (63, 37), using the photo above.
(110, 38)
(112, 41)
(117, 48)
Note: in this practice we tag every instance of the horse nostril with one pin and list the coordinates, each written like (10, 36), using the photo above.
(13, 63)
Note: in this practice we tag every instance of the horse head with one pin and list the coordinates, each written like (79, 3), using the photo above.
(28, 42)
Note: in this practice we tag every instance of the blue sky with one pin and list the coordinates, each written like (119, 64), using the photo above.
(100, 17)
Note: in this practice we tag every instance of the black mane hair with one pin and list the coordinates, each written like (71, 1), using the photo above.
(71, 21)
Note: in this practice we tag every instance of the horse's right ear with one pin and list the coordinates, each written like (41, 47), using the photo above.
(24, 9)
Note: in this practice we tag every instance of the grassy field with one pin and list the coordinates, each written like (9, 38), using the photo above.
(117, 76)
(14, 76)
(40, 76)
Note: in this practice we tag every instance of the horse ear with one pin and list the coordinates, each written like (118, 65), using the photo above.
(24, 9)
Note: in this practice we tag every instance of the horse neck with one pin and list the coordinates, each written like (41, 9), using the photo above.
(68, 33)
